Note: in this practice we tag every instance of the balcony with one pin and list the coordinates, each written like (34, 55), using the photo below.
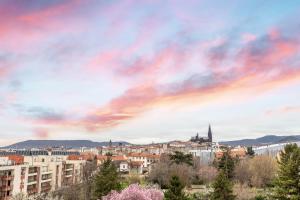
(32, 181)
(6, 188)
(6, 178)
(32, 191)
(46, 180)
(32, 171)
(68, 175)
(46, 172)
(45, 188)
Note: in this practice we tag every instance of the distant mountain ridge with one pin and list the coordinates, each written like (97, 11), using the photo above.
(268, 139)
(28, 144)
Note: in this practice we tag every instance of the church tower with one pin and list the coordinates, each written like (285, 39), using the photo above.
(209, 135)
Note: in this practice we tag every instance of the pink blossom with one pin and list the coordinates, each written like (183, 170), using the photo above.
(135, 192)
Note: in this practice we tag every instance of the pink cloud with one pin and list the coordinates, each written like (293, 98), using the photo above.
(23, 28)
(41, 133)
(259, 66)
(283, 110)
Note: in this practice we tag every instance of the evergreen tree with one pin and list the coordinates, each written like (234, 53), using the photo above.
(175, 190)
(287, 184)
(107, 179)
(227, 164)
(180, 158)
(222, 188)
(250, 151)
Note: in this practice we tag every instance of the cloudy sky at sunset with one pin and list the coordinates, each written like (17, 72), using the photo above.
(148, 71)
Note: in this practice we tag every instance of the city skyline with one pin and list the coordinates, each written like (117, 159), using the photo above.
(143, 71)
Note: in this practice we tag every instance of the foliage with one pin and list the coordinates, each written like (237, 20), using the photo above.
(106, 180)
(135, 192)
(250, 151)
(222, 188)
(175, 191)
(181, 158)
(260, 197)
(287, 184)
(134, 179)
(22, 196)
(227, 164)
(198, 196)
(244, 192)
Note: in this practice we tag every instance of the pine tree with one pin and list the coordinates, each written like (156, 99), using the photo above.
(227, 164)
(250, 151)
(175, 190)
(180, 158)
(107, 179)
(287, 184)
(222, 188)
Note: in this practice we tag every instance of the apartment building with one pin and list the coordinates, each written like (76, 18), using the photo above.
(33, 172)
(146, 159)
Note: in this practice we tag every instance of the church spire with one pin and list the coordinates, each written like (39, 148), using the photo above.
(209, 134)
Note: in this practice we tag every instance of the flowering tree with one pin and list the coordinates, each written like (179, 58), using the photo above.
(135, 192)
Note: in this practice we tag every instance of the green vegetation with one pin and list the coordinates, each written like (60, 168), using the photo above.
(106, 180)
(180, 158)
(227, 164)
(222, 187)
(287, 184)
(175, 191)
(250, 151)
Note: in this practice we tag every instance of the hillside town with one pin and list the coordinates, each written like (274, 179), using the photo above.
(36, 171)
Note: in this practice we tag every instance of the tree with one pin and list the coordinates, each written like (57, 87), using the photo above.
(250, 151)
(162, 172)
(106, 180)
(175, 191)
(287, 184)
(180, 158)
(135, 192)
(207, 174)
(258, 171)
(227, 164)
(222, 188)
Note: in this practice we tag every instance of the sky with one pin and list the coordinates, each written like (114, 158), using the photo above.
(147, 71)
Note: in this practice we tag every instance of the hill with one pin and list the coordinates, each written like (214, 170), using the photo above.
(28, 144)
(268, 139)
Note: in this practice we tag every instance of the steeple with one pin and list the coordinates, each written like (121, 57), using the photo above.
(209, 134)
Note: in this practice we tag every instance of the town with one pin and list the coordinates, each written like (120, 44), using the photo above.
(39, 171)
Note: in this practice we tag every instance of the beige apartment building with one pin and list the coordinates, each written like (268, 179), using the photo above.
(31, 173)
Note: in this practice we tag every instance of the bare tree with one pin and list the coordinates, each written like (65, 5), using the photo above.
(258, 171)
(207, 174)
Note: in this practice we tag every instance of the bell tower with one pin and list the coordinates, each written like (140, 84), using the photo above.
(209, 135)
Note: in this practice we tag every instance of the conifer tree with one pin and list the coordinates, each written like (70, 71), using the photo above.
(180, 158)
(250, 151)
(106, 180)
(222, 187)
(287, 184)
(227, 164)
(175, 190)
